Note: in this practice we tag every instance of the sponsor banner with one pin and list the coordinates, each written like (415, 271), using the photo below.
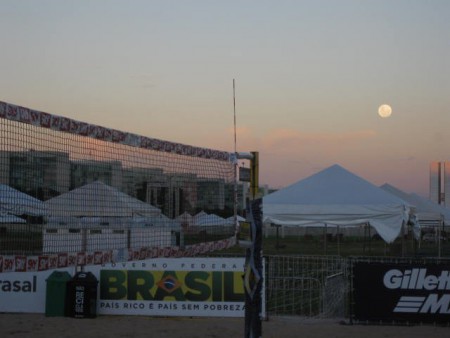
(402, 292)
(155, 287)
(73, 259)
(25, 291)
(172, 287)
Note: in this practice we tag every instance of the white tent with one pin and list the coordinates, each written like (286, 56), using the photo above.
(337, 196)
(63, 221)
(445, 212)
(427, 212)
(209, 220)
(113, 222)
(14, 202)
(185, 218)
(157, 221)
(11, 219)
(198, 216)
(230, 220)
(98, 200)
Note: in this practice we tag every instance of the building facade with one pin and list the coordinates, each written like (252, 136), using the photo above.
(46, 174)
(440, 182)
(41, 174)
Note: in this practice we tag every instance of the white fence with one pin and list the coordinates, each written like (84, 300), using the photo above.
(57, 240)
(313, 286)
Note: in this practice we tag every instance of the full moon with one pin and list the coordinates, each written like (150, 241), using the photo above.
(385, 110)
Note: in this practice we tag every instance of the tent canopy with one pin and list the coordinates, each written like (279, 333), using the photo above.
(14, 202)
(419, 207)
(209, 219)
(113, 222)
(98, 200)
(337, 196)
(185, 218)
(430, 205)
(238, 218)
(423, 209)
(157, 221)
(5, 218)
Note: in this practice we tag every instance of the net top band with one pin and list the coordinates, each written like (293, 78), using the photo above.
(63, 124)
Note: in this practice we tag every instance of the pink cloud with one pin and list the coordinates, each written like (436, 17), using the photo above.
(289, 140)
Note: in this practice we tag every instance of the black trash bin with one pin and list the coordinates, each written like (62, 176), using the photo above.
(82, 296)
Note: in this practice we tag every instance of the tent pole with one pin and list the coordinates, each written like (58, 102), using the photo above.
(325, 240)
(439, 241)
(277, 237)
(338, 242)
(403, 239)
(364, 237)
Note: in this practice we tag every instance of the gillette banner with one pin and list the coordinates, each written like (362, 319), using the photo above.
(401, 292)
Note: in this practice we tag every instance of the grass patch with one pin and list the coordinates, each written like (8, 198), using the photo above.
(347, 246)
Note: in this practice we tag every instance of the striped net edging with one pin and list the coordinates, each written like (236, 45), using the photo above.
(37, 118)
(22, 263)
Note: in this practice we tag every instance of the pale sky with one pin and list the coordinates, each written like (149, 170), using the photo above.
(310, 76)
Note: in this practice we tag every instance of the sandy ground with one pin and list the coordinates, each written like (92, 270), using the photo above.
(38, 325)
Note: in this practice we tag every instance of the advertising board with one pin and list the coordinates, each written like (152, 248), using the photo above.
(172, 287)
(24, 291)
(401, 292)
(154, 287)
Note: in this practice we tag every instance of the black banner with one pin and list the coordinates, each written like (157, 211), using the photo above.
(401, 292)
(253, 275)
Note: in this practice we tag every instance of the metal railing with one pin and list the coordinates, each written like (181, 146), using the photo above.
(313, 286)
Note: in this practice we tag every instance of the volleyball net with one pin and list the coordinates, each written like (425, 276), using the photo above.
(73, 193)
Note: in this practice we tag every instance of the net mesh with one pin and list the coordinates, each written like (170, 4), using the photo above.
(78, 193)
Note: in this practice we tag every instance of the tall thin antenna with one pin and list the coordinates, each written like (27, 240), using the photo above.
(236, 166)
(234, 110)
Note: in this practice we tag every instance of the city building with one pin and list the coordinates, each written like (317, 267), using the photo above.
(87, 171)
(41, 174)
(172, 193)
(446, 184)
(435, 182)
(46, 174)
(440, 182)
